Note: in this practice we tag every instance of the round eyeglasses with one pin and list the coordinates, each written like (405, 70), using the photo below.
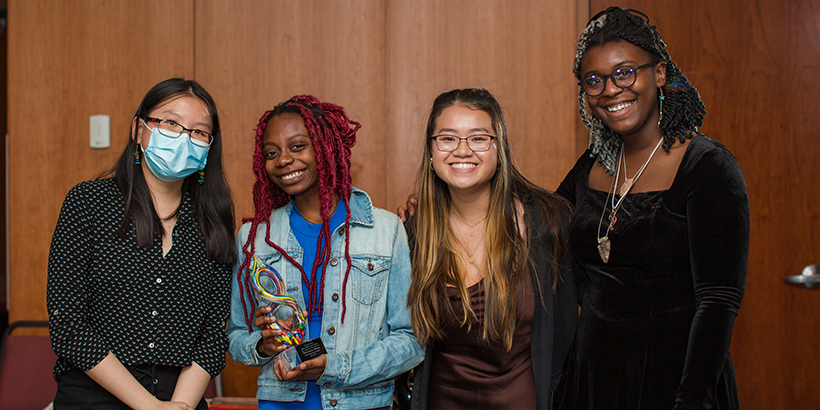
(450, 143)
(173, 129)
(624, 77)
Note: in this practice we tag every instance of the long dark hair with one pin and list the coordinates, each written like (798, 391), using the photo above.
(212, 202)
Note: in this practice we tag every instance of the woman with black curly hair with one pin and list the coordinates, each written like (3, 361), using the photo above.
(660, 232)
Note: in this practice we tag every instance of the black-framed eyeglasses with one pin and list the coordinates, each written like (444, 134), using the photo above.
(173, 129)
(450, 143)
(624, 77)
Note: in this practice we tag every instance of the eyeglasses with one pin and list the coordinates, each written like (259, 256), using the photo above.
(624, 77)
(450, 143)
(172, 129)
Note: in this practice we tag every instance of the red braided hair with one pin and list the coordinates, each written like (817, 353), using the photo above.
(333, 135)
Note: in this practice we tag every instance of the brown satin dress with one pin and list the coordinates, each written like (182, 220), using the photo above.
(468, 373)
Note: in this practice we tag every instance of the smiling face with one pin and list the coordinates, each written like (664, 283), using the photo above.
(290, 159)
(627, 111)
(464, 169)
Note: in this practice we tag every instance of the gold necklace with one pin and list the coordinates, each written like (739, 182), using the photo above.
(471, 226)
(461, 241)
(604, 244)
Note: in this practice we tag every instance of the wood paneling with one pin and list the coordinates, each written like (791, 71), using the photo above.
(754, 64)
(521, 54)
(3, 131)
(253, 55)
(67, 61)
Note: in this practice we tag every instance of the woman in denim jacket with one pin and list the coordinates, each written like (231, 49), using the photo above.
(342, 260)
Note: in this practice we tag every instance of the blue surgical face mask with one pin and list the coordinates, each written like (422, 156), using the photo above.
(172, 159)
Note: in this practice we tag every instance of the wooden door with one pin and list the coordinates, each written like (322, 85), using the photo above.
(755, 66)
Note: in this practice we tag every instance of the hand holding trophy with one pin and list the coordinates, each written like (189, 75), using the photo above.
(285, 310)
(284, 307)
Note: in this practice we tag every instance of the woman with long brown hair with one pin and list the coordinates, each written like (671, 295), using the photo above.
(490, 298)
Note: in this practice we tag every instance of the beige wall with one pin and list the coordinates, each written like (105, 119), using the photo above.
(384, 61)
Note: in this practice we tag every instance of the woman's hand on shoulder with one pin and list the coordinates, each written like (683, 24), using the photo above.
(408, 207)
(309, 370)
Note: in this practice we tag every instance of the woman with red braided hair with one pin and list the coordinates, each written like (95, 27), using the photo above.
(344, 261)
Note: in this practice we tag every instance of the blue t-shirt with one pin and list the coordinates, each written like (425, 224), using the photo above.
(307, 234)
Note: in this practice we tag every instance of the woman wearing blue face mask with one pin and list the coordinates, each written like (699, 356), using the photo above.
(140, 262)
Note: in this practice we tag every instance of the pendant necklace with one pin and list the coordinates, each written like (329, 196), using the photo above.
(472, 231)
(628, 182)
(471, 259)
(604, 244)
(462, 243)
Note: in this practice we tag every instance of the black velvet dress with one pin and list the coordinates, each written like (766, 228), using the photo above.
(656, 321)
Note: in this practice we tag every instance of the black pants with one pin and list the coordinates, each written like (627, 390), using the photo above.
(75, 390)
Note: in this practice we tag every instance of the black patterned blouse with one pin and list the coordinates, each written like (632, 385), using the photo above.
(107, 294)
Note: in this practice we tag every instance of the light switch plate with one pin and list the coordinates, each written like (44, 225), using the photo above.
(100, 131)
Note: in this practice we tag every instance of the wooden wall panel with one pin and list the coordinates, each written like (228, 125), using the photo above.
(754, 64)
(67, 61)
(253, 55)
(522, 54)
(4, 37)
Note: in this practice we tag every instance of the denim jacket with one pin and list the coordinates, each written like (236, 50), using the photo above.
(376, 341)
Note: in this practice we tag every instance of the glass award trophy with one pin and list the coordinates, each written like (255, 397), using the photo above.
(269, 286)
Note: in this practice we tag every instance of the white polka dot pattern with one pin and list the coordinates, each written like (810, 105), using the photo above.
(107, 294)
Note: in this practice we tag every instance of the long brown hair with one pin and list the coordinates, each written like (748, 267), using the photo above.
(436, 262)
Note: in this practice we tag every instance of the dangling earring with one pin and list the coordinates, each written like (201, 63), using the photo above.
(431, 164)
(201, 176)
(660, 108)
(136, 157)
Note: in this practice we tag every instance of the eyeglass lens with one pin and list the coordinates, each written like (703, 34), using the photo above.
(623, 77)
(173, 129)
(476, 143)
